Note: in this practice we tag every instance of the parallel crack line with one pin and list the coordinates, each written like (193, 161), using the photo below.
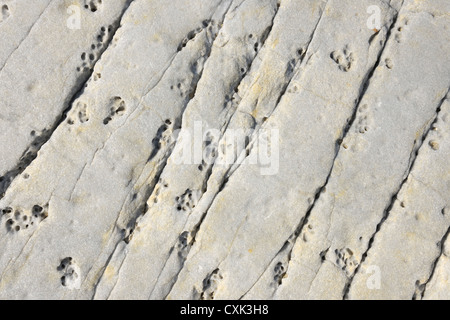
(290, 242)
(388, 209)
(163, 161)
(233, 169)
(305, 54)
(140, 210)
(118, 275)
(441, 245)
(364, 86)
(298, 63)
(161, 75)
(26, 36)
(40, 141)
(227, 175)
(194, 232)
(31, 153)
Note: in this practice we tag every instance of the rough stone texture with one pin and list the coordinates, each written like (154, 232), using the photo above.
(97, 201)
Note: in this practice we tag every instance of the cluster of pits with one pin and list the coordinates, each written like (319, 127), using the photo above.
(210, 285)
(184, 244)
(193, 33)
(279, 272)
(20, 219)
(92, 5)
(399, 30)
(163, 137)
(70, 273)
(363, 122)
(343, 58)
(78, 113)
(188, 200)
(117, 109)
(89, 58)
(346, 260)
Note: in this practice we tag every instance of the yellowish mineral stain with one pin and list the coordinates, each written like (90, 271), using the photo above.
(275, 43)
(109, 272)
(156, 37)
(341, 194)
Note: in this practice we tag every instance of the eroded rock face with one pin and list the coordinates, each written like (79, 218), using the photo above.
(224, 149)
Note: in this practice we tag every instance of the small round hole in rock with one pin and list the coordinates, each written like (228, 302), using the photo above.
(37, 209)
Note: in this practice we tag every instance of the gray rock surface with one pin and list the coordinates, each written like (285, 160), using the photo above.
(224, 149)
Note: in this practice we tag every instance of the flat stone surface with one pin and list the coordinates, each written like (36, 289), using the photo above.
(224, 149)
